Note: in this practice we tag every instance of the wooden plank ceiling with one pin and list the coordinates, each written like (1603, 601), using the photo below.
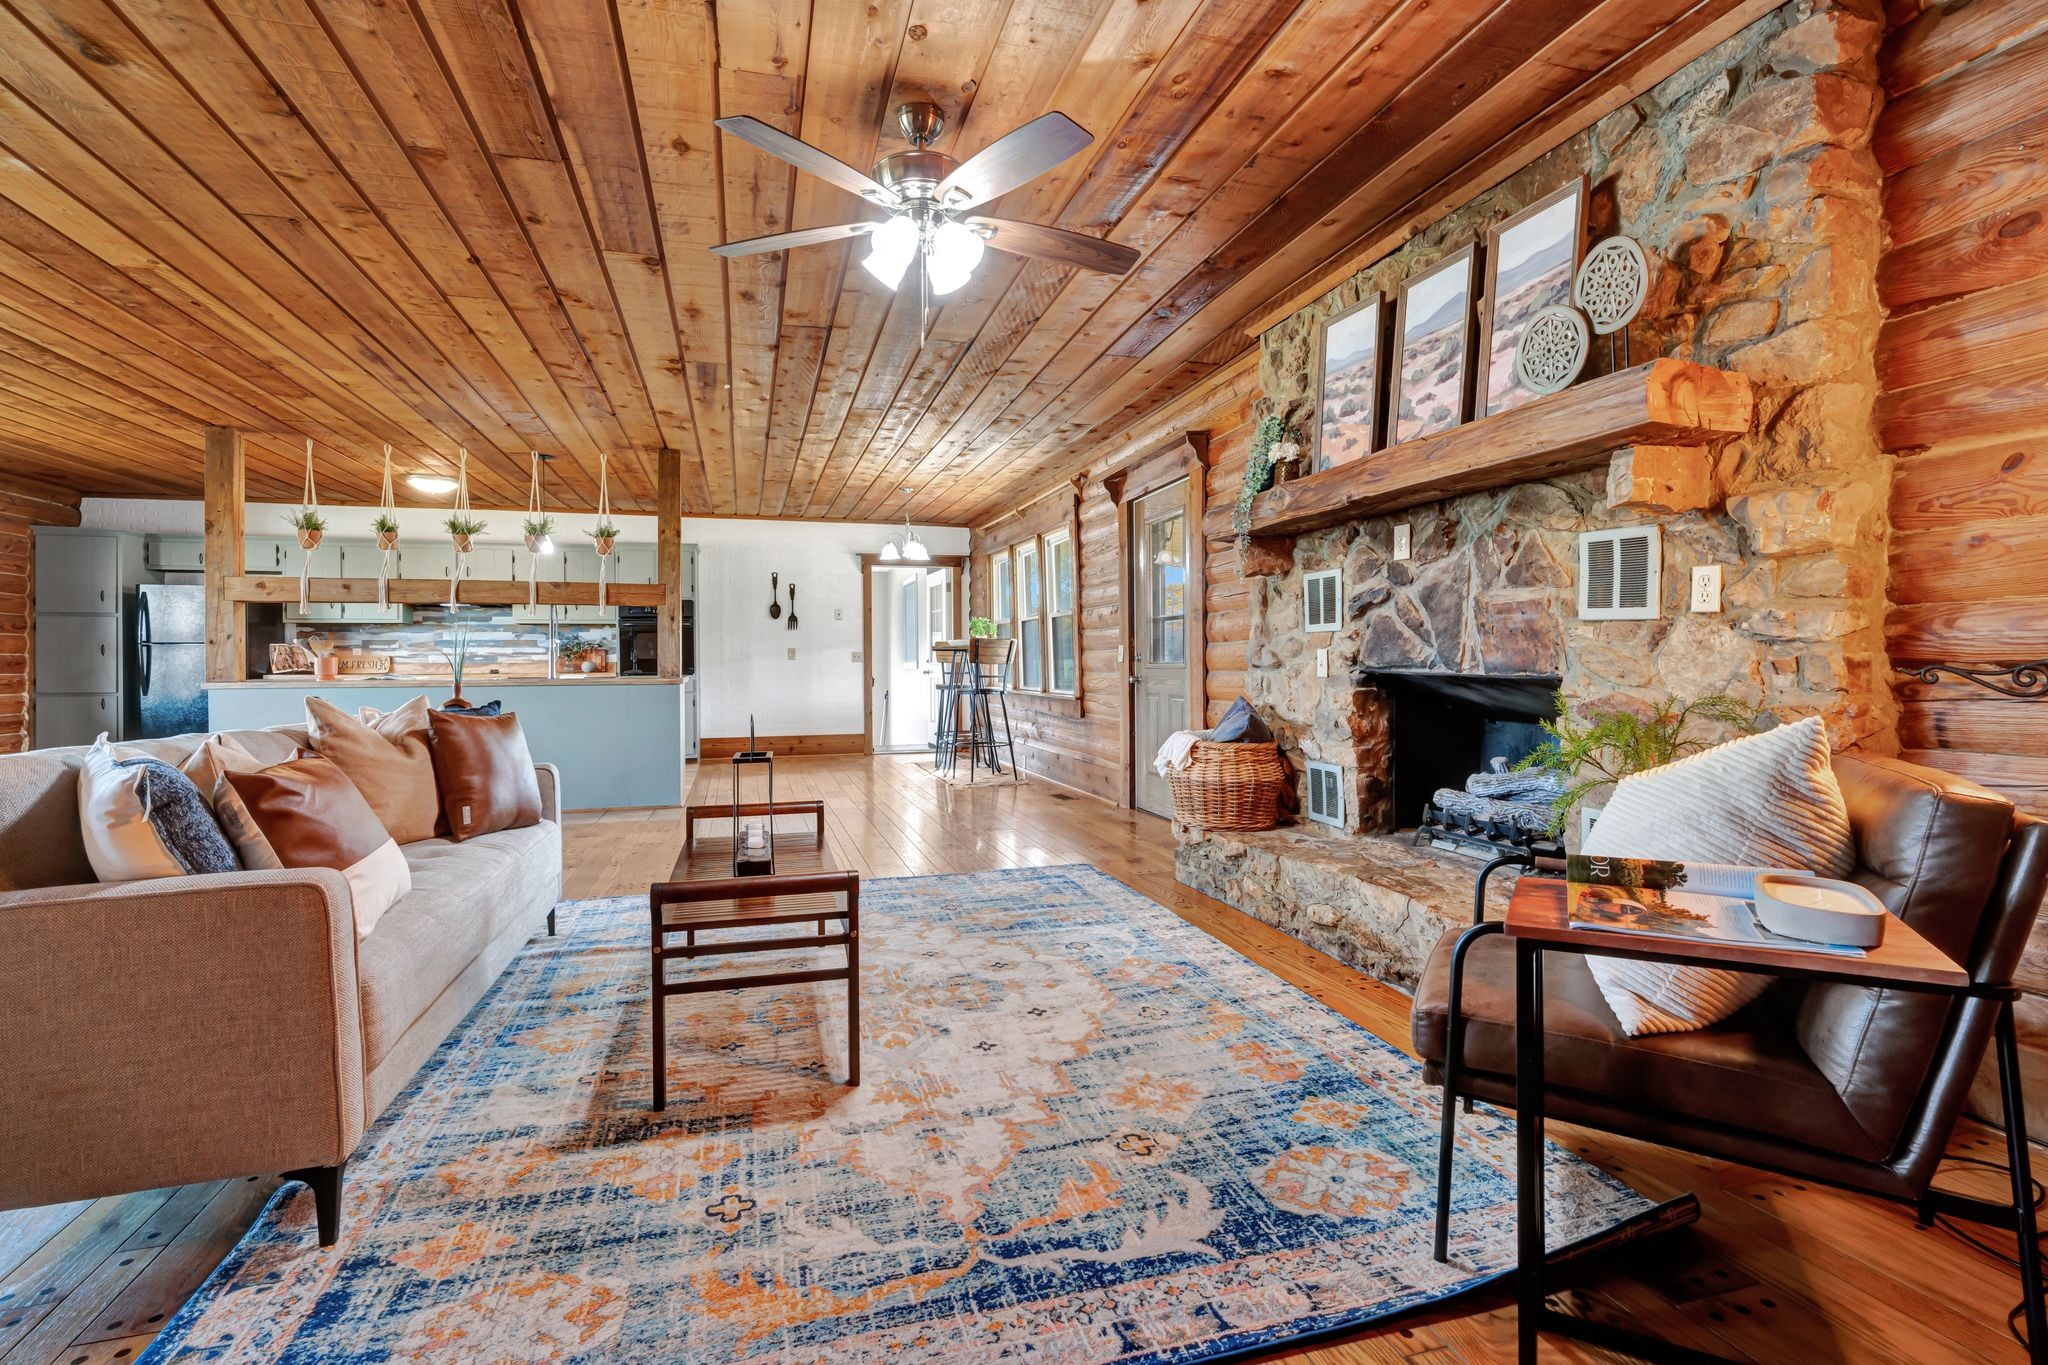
(482, 223)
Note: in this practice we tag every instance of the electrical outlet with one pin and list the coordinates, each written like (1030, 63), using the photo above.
(792, 653)
(1403, 541)
(856, 656)
(1322, 663)
(1706, 587)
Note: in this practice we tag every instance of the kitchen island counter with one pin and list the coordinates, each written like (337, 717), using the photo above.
(623, 750)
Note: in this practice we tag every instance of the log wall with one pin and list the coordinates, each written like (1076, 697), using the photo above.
(21, 510)
(1963, 361)
(1082, 746)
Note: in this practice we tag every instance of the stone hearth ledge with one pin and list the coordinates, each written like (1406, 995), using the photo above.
(1375, 901)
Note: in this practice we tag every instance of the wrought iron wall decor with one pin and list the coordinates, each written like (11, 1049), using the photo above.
(2026, 681)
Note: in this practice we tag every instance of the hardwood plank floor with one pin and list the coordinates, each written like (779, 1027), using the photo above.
(1777, 1270)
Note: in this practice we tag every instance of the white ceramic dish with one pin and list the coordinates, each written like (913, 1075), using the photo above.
(1820, 910)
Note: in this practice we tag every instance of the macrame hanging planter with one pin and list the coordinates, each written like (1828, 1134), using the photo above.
(539, 528)
(387, 533)
(307, 523)
(461, 525)
(602, 535)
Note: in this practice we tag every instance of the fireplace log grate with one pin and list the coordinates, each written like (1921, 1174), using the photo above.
(1480, 836)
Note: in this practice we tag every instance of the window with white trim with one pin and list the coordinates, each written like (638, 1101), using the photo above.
(1030, 619)
(1061, 640)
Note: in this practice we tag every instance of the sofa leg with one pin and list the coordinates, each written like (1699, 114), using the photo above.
(325, 1182)
(551, 924)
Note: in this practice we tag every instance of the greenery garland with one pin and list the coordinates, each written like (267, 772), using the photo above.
(1272, 444)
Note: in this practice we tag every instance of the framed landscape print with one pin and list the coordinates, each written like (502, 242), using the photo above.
(1530, 261)
(1433, 348)
(1349, 359)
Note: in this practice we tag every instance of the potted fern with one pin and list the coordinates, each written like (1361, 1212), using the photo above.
(310, 525)
(604, 534)
(981, 628)
(1602, 744)
(461, 527)
(386, 527)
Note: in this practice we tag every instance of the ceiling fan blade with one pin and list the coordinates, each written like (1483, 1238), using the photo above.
(1017, 156)
(805, 157)
(783, 241)
(1056, 244)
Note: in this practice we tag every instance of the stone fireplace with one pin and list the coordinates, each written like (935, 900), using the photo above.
(1748, 180)
(1445, 727)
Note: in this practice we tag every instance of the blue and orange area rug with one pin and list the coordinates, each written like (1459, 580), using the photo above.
(1089, 1132)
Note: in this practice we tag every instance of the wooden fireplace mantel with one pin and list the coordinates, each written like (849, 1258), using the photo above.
(1666, 403)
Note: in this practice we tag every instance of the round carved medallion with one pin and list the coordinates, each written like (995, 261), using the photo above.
(1553, 348)
(1612, 282)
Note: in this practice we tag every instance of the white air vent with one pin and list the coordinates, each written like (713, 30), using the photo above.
(1619, 573)
(1320, 592)
(1326, 794)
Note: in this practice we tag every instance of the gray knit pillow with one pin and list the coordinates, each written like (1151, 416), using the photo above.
(1768, 800)
(181, 817)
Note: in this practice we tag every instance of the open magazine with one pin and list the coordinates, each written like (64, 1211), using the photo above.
(1703, 901)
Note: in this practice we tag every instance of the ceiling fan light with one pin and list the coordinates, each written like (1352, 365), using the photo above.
(892, 247)
(956, 250)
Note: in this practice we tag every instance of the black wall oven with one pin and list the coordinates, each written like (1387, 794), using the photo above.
(639, 631)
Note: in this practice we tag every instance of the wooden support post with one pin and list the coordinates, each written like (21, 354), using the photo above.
(668, 539)
(227, 621)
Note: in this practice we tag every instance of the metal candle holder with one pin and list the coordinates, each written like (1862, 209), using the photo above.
(757, 860)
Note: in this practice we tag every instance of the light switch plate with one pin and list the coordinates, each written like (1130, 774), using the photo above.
(1403, 541)
(792, 652)
(856, 656)
(1706, 587)
(1322, 663)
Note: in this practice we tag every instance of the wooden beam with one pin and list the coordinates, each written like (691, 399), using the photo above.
(227, 619)
(1666, 402)
(668, 539)
(427, 592)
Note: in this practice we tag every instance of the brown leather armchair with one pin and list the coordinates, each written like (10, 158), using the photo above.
(1855, 1086)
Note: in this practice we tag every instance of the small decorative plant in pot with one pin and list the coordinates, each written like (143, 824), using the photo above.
(461, 527)
(1606, 741)
(981, 628)
(457, 655)
(310, 526)
(386, 527)
(604, 534)
(538, 532)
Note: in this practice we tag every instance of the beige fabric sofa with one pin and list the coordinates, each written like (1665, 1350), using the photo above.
(195, 1028)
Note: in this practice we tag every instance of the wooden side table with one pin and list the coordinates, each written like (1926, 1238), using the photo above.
(702, 896)
(1537, 923)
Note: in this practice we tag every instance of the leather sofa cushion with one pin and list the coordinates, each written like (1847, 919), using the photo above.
(306, 813)
(1745, 1072)
(485, 773)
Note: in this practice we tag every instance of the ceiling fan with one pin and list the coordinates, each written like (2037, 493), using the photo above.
(927, 195)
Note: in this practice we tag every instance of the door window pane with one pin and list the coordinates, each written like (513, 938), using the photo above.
(999, 580)
(906, 622)
(1167, 562)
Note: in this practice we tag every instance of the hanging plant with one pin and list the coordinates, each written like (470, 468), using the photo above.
(604, 533)
(386, 527)
(537, 529)
(310, 525)
(1273, 445)
(461, 526)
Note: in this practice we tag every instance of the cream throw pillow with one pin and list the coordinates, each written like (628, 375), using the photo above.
(1768, 800)
(387, 757)
(218, 754)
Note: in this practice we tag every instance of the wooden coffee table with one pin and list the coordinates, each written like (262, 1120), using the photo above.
(702, 896)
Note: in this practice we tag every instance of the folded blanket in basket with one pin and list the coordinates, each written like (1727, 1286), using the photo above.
(1178, 751)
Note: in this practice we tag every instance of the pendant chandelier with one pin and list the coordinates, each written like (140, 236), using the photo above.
(908, 547)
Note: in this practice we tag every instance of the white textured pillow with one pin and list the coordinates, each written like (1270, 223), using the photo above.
(119, 841)
(1768, 800)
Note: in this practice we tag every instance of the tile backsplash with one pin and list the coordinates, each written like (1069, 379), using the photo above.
(500, 644)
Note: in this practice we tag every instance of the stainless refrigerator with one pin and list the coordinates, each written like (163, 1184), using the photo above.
(167, 691)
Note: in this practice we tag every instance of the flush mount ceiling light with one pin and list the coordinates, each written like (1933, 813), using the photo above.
(927, 195)
(909, 547)
(431, 484)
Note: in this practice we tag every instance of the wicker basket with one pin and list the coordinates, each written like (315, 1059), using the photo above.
(1230, 786)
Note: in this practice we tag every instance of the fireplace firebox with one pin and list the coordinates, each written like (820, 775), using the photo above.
(1447, 727)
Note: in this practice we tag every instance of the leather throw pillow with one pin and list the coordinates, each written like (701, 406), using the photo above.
(1768, 800)
(485, 773)
(306, 813)
(386, 756)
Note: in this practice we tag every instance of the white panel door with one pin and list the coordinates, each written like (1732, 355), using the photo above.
(1159, 641)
